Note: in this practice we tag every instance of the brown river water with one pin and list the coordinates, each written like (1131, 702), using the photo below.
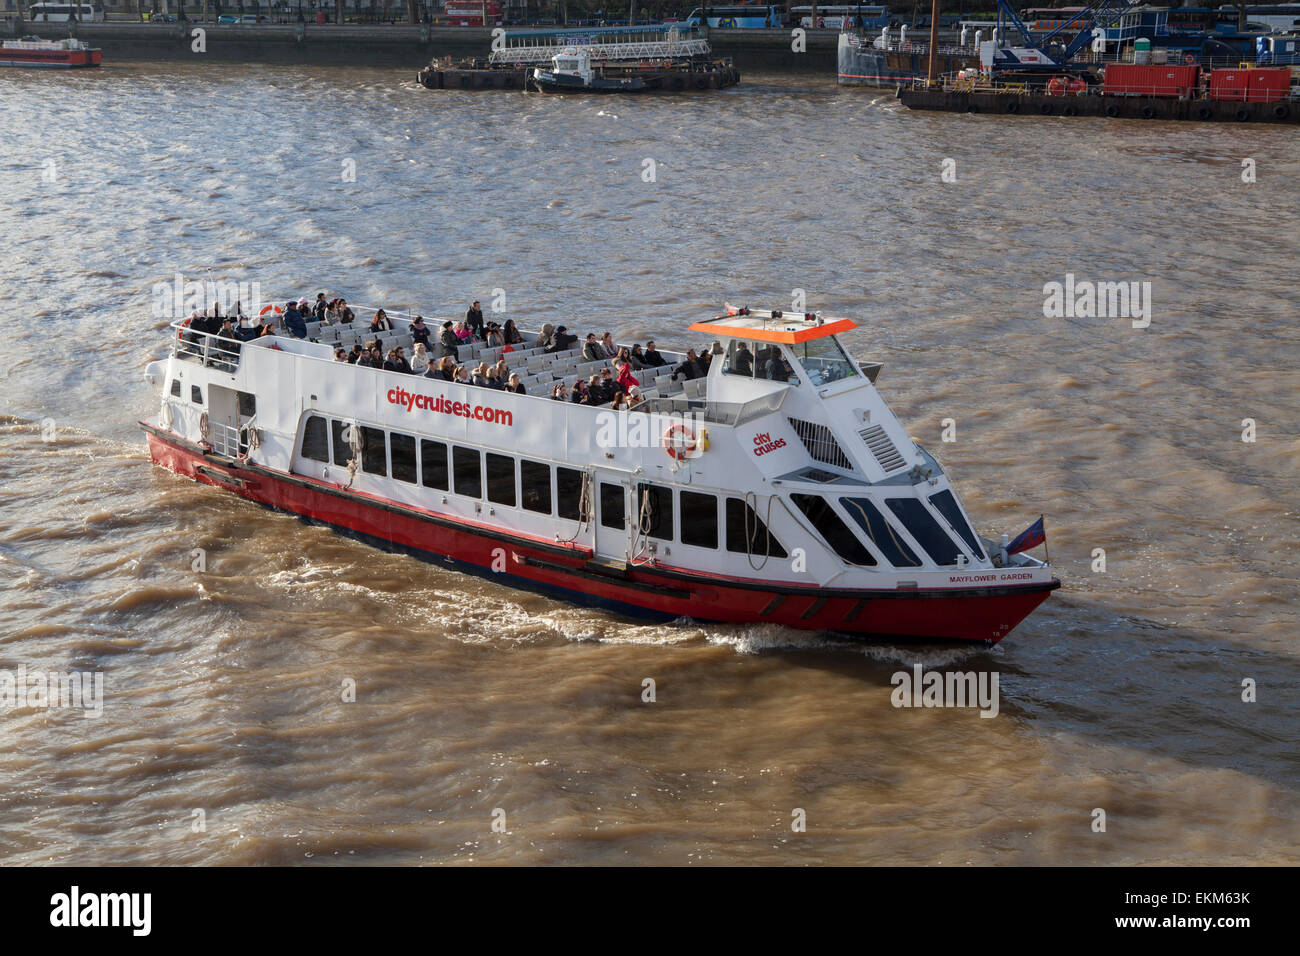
(222, 688)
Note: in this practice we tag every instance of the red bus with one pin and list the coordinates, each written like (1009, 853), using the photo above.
(469, 13)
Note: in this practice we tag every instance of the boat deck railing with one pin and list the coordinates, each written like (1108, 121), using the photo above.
(640, 43)
(212, 350)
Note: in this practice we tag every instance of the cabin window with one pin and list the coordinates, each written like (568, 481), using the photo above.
(433, 464)
(834, 531)
(824, 361)
(501, 480)
(770, 363)
(316, 439)
(699, 519)
(374, 451)
(738, 513)
(342, 447)
(919, 523)
(176, 388)
(466, 471)
(568, 491)
(196, 395)
(655, 511)
(402, 452)
(535, 479)
(946, 505)
(612, 506)
(247, 404)
(740, 359)
(880, 532)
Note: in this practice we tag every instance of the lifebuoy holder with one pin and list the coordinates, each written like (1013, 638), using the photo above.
(679, 449)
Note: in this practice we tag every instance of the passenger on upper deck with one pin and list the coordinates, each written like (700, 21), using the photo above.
(636, 357)
(342, 313)
(461, 375)
(445, 370)
(419, 359)
(495, 339)
(545, 338)
(619, 404)
(559, 393)
(511, 334)
(381, 322)
(503, 371)
(596, 391)
(514, 385)
(625, 378)
(294, 321)
(493, 380)
(652, 358)
(320, 307)
(592, 352)
(579, 393)
(690, 368)
(355, 355)
(463, 333)
(397, 362)
(420, 333)
(607, 344)
(447, 339)
(341, 355)
(564, 339)
(634, 398)
(480, 375)
(474, 320)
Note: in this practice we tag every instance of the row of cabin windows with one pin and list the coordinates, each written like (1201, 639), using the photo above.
(476, 474)
(247, 400)
(910, 512)
(196, 393)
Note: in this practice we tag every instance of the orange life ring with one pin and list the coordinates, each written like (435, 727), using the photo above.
(679, 451)
(180, 336)
(270, 308)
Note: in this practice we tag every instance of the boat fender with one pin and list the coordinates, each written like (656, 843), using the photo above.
(701, 83)
(1045, 109)
(180, 336)
(679, 450)
(1203, 113)
(1281, 111)
(678, 83)
(165, 416)
(205, 430)
(1112, 110)
(1242, 114)
(1069, 111)
(1013, 106)
(1148, 111)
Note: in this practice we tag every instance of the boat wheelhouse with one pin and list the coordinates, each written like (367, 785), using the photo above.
(775, 488)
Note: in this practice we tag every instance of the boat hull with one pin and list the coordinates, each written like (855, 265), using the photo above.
(567, 571)
(52, 59)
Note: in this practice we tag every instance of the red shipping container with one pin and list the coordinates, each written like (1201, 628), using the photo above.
(1140, 79)
(1229, 84)
(1269, 85)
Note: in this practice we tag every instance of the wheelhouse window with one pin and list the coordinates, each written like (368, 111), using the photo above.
(535, 480)
(835, 532)
(316, 439)
(739, 360)
(466, 471)
(568, 491)
(374, 451)
(699, 519)
(824, 360)
(433, 464)
(747, 534)
(342, 447)
(880, 532)
(946, 504)
(655, 511)
(612, 506)
(922, 526)
(401, 449)
(501, 480)
(770, 363)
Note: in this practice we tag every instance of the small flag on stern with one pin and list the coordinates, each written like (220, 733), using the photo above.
(1031, 537)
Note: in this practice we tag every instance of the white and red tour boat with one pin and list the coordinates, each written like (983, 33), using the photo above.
(70, 53)
(779, 488)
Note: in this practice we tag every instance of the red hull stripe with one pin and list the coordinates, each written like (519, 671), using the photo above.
(969, 614)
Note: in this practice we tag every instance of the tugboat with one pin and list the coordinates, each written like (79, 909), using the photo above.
(764, 481)
(70, 53)
(571, 72)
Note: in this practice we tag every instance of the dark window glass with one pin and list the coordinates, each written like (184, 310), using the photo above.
(535, 478)
(176, 387)
(738, 512)
(501, 480)
(917, 520)
(196, 395)
(433, 464)
(611, 506)
(947, 506)
(699, 519)
(836, 533)
(568, 491)
(374, 452)
(880, 532)
(402, 451)
(316, 439)
(342, 450)
(655, 511)
(468, 474)
(247, 404)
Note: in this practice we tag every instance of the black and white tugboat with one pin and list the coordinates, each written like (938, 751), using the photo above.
(571, 72)
(762, 481)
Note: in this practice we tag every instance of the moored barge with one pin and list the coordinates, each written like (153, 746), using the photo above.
(66, 54)
(770, 485)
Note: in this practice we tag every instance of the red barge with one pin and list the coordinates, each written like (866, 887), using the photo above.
(774, 486)
(69, 54)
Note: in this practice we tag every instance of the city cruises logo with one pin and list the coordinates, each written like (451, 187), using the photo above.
(82, 690)
(181, 298)
(920, 688)
(443, 405)
(1084, 299)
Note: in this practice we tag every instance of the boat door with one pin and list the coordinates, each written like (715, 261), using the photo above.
(612, 493)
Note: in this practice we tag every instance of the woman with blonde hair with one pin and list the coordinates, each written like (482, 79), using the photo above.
(420, 359)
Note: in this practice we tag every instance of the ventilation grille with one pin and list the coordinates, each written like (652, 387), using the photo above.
(821, 444)
(887, 455)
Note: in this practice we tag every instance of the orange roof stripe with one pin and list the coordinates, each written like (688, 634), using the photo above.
(786, 336)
